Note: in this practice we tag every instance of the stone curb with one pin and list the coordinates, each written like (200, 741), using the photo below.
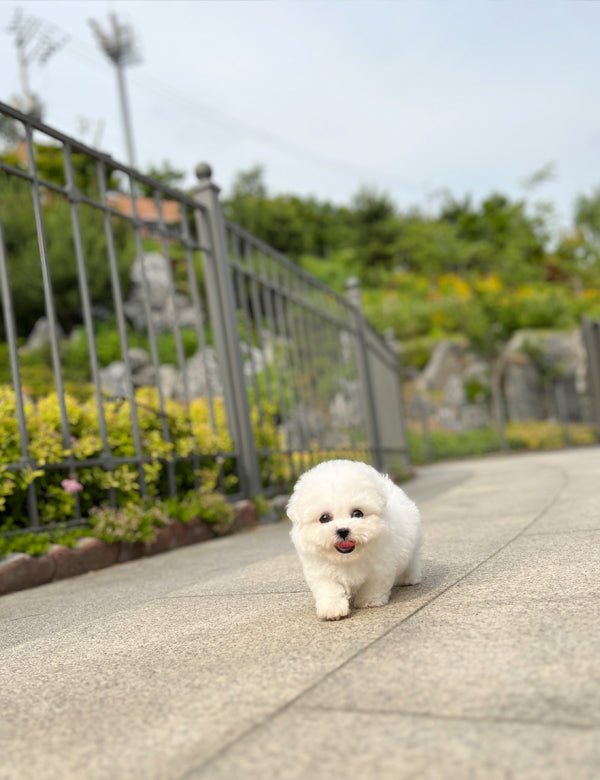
(19, 571)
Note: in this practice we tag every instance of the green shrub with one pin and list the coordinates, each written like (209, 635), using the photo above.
(190, 429)
(39, 543)
(130, 523)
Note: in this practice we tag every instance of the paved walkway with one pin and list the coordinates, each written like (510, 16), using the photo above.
(209, 662)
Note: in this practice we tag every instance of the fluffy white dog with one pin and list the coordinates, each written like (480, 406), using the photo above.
(357, 534)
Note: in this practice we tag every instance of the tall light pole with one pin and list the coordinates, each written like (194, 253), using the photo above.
(35, 41)
(120, 47)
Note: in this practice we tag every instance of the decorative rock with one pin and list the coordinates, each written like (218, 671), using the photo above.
(189, 533)
(163, 541)
(523, 391)
(96, 554)
(163, 301)
(131, 551)
(203, 374)
(67, 562)
(447, 360)
(145, 377)
(19, 571)
(473, 416)
(246, 515)
(169, 380)
(454, 391)
(202, 531)
(138, 359)
(89, 554)
(40, 335)
(531, 352)
(155, 268)
(113, 379)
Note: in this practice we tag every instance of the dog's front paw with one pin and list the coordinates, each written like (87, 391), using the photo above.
(333, 610)
(371, 601)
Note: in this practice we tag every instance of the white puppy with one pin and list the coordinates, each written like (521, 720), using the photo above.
(357, 535)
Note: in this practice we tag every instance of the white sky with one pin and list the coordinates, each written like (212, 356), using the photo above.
(411, 97)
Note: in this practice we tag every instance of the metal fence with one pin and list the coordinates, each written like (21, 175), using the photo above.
(591, 339)
(175, 347)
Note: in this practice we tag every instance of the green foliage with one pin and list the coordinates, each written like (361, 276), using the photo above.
(290, 224)
(478, 270)
(548, 435)
(587, 215)
(535, 435)
(376, 229)
(165, 174)
(130, 523)
(23, 253)
(448, 444)
(39, 544)
(190, 429)
(484, 309)
(206, 504)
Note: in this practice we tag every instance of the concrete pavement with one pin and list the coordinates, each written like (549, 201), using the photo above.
(209, 662)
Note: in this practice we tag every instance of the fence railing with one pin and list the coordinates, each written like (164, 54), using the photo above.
(175, 347)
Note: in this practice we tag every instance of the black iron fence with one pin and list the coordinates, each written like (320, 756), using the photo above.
(149, 345)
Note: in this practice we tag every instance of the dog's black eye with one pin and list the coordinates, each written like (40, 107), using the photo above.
(325, 518)
(357, 513)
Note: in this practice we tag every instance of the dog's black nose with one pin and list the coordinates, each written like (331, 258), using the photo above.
(343, 532)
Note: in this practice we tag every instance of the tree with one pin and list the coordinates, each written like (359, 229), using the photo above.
(376, 228)
(501, 237)
(289, 223)
(9, 130)
(165, 174)
(587, 216)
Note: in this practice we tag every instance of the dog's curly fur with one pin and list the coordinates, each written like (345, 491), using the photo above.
(357, 534)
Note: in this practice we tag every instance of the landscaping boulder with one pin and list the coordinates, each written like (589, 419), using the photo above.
(203, 375)
(40, 335)
(530, 364)
(162, 300)
(19, 571)
(89, 554)
(447, 362)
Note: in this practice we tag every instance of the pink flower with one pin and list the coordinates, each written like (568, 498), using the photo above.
(71, 485)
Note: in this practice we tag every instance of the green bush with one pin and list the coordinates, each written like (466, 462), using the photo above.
(190, 428)
(130, 523)
(39, 544)
(450, 444)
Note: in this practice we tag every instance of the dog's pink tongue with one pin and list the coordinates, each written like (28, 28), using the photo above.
(345, 545)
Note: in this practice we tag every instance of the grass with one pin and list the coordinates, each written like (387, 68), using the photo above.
(533, 436)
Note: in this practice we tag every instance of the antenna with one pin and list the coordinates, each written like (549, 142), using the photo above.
(36, 41)
(119, 45)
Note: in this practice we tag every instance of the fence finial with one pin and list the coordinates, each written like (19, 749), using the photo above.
(203, 171)
(353, 293)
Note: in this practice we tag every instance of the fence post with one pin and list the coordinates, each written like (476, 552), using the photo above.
(221, 301)
(389, 337)
(354, 298)
(591, 338)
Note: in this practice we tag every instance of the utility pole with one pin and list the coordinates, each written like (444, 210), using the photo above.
(36, 41)
(120, 47)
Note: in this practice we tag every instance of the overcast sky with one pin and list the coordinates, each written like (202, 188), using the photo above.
(413, 98)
